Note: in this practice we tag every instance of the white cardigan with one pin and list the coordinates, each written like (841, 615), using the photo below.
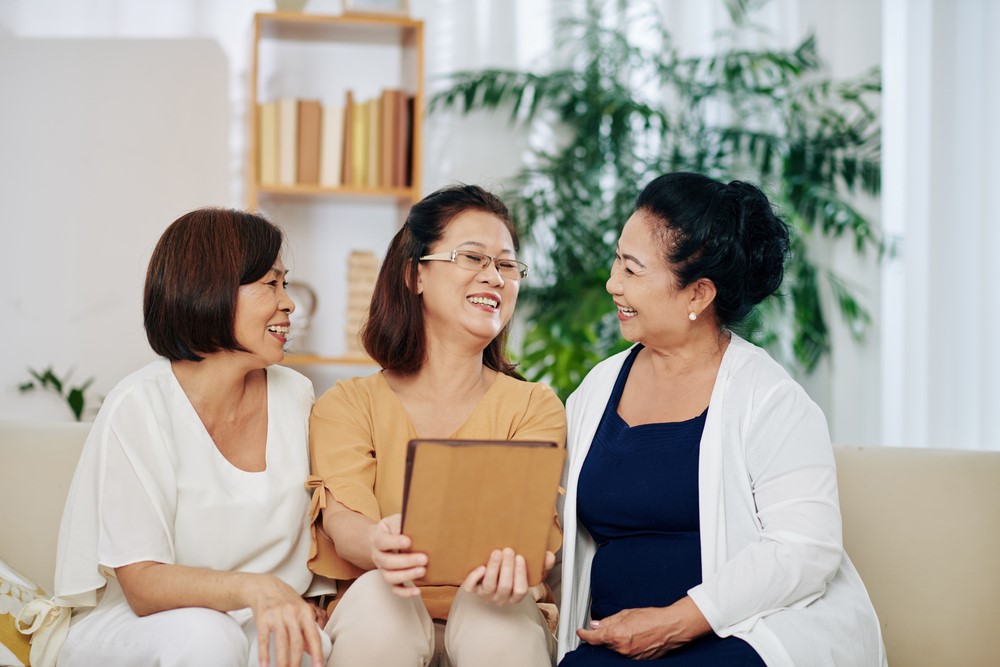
(773, 565)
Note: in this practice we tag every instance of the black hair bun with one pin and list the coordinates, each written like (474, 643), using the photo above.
(726, 233)
(764, 238)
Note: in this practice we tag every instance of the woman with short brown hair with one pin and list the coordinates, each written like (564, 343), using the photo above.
(183, 541)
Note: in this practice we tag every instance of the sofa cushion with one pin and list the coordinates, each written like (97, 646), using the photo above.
(37, 460)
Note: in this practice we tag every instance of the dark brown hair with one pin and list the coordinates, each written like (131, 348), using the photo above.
(727, 233)
(394, 333)
(194, 275)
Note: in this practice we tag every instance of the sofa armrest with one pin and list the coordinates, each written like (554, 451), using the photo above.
(922, 526)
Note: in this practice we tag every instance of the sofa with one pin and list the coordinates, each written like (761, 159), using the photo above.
(922, 526)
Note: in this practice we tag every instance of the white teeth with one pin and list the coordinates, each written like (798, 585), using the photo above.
(626, 311)
(278, 329)
(484, 301)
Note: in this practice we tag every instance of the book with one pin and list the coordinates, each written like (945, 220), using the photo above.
(347, 149)
(408, 166)
(359, 144)
(267, 144)
(388, 131)
(464, 498)
(309, 127)
(402, 136)
(331, 156)
(374, 143)
(288, 131)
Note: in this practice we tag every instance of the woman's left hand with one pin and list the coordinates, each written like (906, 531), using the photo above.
(649, 632)
(503, 580)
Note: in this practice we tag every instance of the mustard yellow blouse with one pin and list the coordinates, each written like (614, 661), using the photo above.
(358, 434)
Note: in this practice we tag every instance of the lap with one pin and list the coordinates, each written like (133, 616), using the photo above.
(115, 637)
(708, 651)
(112, 635)
(476, 633)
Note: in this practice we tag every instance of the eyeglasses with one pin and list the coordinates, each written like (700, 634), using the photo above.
(510, 269)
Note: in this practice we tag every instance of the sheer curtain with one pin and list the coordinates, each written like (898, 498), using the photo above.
(940, 365)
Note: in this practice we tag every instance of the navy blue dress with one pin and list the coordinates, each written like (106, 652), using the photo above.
(638, 498)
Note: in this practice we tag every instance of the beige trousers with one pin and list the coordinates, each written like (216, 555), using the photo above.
(373, 626)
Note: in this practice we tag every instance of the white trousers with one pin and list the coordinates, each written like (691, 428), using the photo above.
(111, 635)
(373, 626)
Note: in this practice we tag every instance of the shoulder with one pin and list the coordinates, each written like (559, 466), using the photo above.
(151, 384)
(290, 381)
(357, 391)
(536, 397)
(759, 381)
(532, 391)
(137, 416)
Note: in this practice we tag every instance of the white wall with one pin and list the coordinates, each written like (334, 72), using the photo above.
(103, 143)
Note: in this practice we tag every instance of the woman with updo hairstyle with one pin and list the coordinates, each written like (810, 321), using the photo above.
(701, 518)
(443, 299)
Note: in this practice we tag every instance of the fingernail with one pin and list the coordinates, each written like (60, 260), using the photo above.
(595, 624)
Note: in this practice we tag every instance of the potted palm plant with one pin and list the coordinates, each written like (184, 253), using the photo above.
(626, 113)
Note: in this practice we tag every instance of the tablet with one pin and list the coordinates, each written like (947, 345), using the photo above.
(464, 498)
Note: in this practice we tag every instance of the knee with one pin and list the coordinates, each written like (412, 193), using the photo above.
(372, 625)
(211, 639)
(481, 634)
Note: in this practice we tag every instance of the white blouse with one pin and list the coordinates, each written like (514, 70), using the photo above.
(151, 485)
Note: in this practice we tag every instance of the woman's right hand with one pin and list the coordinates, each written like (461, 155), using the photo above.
(279, 611)
(388, 552)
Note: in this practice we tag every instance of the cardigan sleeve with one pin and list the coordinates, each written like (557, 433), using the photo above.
(793, 484)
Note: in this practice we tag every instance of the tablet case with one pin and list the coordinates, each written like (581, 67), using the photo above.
(464, 498)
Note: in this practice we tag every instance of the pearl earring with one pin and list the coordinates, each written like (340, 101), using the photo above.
(692, 317)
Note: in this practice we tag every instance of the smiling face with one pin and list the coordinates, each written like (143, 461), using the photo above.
(262, 309)
(651, 308)
(464, 304)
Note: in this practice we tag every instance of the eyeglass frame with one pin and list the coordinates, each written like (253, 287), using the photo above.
(452, 255)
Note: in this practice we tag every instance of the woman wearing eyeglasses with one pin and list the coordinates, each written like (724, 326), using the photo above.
(437, 325)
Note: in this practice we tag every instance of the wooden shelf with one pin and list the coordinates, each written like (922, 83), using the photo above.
(300, 190)
(400, 31)
(313, 359)
(321, 57)
(294, 20)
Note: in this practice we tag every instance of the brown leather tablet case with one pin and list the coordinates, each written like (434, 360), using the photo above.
(464, 498)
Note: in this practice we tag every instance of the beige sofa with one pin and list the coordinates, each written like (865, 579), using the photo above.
(922, 527)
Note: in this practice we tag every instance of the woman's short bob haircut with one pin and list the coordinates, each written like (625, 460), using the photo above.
(726, 233)
(197, 267)
(394, 334)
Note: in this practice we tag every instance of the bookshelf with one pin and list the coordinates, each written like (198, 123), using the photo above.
(312, 57)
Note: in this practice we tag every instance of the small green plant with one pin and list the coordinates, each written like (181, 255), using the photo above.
(75, 397)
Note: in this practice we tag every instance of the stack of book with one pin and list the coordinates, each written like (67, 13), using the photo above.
(362, 269)
(359, 144)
